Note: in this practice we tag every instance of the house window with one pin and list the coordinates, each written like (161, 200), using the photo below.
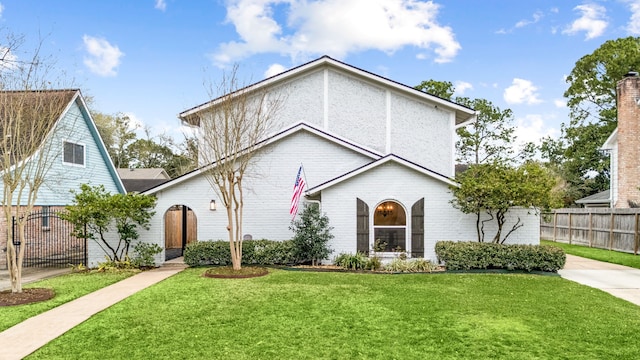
(45, 218)
(73, 153)
(390, 227)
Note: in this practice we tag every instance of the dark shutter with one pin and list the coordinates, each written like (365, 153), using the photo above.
(417, 229)
(362, 227)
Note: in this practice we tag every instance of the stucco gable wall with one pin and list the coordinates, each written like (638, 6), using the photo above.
(394, 182)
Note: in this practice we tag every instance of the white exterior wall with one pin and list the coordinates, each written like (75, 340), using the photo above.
(423, 134)
(394, 182)
(267, 195)
(357, 110)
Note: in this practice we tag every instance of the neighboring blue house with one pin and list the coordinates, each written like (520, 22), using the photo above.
(78, 154)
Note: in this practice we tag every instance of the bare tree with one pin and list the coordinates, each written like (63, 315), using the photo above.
(231, 130)
(29, 111)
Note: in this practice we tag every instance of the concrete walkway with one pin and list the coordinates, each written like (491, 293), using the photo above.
(617, 280)
(31, 334)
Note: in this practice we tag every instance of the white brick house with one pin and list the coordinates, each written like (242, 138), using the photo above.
(378, 157)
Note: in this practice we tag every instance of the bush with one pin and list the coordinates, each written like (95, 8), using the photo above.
(477, 255)
(373, 263)
(357, 261)
(413, 265)
(311, 236)
(144, 255)
(254, 252)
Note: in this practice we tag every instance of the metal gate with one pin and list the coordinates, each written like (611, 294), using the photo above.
(49, 241)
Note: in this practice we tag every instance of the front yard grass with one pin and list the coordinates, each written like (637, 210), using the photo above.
(307, 315)
(610, 256)
(67, 287)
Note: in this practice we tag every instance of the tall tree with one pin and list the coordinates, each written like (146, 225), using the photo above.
(591, 98)
(489, 138)
(29, 110)
(118, 134)
(230, 133)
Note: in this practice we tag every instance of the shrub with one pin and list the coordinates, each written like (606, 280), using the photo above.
(413, 265)
(144, 255)
(254, 252)
(477, 255)
(312, 233)
(357, 261)
(373, 263)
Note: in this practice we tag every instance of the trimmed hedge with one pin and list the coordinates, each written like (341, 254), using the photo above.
(477, 255)
(254, 252)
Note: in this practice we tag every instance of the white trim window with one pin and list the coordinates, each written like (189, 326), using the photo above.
(390, 227)
(73, 154)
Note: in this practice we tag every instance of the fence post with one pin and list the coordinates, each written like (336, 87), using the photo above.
(611, 231)
(555, 224)
(569, 227)
(635, 235)
(590, 229)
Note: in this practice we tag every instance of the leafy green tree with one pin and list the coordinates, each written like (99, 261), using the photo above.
(495, 188)
(591, 98)
(94, 212)
(489, 138)
(312, 234)
(117, 134)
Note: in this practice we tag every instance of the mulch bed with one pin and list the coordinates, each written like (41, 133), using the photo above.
(228, 273)
(27, 296)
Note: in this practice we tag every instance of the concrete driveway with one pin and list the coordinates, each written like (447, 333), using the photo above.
(617, 280)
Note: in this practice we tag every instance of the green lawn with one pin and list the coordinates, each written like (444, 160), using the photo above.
(614, 257)
(67, 287)
(306, 315)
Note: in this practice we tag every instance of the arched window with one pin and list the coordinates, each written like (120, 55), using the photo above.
(389, 227)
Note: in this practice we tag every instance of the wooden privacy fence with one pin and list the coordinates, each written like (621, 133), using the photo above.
(613, 229)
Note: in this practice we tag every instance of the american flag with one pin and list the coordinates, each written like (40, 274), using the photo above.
(298, 188)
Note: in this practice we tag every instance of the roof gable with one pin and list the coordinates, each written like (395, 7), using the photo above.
(376, 163)
(463, 113)
(301, 126)
(611, 141)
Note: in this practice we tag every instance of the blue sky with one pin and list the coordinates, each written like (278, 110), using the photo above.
(150, 58)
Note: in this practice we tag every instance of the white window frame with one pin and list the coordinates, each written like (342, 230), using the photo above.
(84, 153)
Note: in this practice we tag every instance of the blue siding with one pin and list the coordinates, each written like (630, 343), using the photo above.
(77, 127)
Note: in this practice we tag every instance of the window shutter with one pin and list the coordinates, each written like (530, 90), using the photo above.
(362, 227)
(417, 229)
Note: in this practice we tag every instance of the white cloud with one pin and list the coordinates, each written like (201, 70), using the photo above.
(135, 123)
(336, 28)
(534, 19)
(633, 27)
(8, 60)
(461, 87)
(531, 128)
(560, 103)
(521, 91)
(1, 9)
(592, 21)
(161, 5)
(274, 69)
(103, 57)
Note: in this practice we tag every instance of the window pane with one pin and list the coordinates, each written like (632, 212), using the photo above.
(73, 153)
(68, 152)
(393, 237)
(389, 213)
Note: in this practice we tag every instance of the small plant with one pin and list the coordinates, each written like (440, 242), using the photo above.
(357, 261)
(397, 265)
(374, 263)
(78, 268)
(115, 266)
(379, 245)
(144, 255)
(414, 265)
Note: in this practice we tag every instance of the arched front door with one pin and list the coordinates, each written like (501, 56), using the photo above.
(180, 229)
